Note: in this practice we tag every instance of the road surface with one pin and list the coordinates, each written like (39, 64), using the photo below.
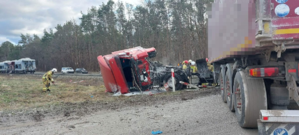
(200, 116)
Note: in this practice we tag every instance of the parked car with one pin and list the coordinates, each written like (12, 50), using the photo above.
(67, 70)
(81, 70)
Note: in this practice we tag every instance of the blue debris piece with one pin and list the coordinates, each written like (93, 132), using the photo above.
(157, 132)
(91, 96)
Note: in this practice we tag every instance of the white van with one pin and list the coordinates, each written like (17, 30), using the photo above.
(67, 70)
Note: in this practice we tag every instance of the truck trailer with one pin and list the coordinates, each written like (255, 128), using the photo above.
(254, 48)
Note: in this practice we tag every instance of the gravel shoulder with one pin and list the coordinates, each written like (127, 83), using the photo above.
(192, 113)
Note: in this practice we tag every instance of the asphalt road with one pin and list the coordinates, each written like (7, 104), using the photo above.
(59, 74)
(71, 74)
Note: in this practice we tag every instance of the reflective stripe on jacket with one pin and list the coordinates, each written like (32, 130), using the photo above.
(184, 66)
(193, 69)
(210, 67)
(48, 76)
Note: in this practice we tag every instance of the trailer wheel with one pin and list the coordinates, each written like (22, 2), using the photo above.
(228, 90)
(168, 79)
(250, 98)
(222, 86)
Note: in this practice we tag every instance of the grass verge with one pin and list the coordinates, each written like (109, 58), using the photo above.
(24, 92)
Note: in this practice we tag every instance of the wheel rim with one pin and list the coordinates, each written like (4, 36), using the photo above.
(228, 90)
(238, 98)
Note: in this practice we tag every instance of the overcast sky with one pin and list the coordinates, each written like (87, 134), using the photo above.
(33, 16)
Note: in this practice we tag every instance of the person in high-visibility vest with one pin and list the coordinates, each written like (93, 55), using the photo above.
(194, 71)
(185, 64)
(210, 67)
(47, 78)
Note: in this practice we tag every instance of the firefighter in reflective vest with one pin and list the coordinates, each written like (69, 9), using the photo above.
(210, 67)
(194, 71)
(47, 78)
(185, 64)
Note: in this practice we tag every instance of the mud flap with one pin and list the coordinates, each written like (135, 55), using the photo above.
(278, 122)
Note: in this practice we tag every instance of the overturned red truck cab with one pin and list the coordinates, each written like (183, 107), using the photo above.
(130, 69)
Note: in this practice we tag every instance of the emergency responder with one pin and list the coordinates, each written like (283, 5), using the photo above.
(190, 61)
(210, 67)
(185, 64)
(194, 71)
(47, 78)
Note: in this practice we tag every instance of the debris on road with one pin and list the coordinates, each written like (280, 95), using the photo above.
(157, 132)
(190, 85)
(150, 92)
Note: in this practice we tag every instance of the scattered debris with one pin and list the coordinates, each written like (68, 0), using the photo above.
(71, 126)
(67, 114)
(150, 92)
(183, 98)
(190, 85)
(38, 116)
(157, 132)
(166, 86)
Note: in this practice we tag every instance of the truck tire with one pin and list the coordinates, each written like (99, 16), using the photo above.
(228, 90)
(221, 82)
(178, 85)
(250, 98)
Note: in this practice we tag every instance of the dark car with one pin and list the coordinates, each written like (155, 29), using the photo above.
(81, 70)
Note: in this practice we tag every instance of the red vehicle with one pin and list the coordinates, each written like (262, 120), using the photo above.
(130, 69)
(254, 47)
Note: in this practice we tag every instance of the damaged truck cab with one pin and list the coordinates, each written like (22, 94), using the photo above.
(128, 70)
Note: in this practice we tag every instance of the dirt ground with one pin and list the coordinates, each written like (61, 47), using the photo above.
(180, 112)
(200, 112)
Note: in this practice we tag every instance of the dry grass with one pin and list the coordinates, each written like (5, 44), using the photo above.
(24, 92)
